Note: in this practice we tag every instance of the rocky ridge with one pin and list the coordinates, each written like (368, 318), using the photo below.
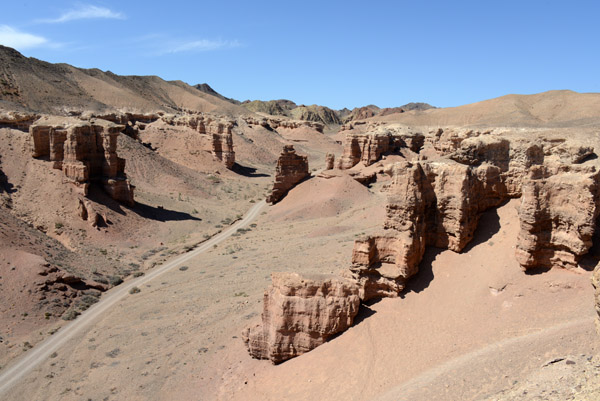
(446, 180)
(86, 152)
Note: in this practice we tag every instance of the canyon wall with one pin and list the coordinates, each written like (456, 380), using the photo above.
(218, 130)
(86, 151)
(437, 198)
(300, 313)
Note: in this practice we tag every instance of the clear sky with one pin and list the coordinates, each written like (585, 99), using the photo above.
(334, 53)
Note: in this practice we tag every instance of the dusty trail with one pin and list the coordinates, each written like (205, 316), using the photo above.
(17, 370)
(466, 376)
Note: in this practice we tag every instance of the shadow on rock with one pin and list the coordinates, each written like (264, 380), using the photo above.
(489, 225)
(425, 275)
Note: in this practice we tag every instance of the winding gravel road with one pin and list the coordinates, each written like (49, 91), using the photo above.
(19, 368)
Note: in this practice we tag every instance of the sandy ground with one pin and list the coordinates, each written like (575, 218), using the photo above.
(179, 337)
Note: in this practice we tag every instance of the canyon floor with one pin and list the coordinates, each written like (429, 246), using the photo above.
(470, 325)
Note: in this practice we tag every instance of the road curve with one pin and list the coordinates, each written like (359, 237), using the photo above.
(15, 371)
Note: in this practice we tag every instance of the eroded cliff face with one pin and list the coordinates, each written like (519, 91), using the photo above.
(558, 214)
(291, 170)
(86, 151)
(299, 314)
(439, 203)
(368, 147)
(436, 197)
(219, 131)
(273, 123)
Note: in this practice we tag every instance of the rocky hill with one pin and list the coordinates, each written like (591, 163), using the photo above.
(552, 109)
(35, 85)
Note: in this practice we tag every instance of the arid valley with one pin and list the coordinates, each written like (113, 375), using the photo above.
(160, 241)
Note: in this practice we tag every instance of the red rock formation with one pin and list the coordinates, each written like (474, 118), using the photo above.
(222, 142)
(219, 132)
(559, 208)
(85, 151)
(430, 203)
(291, 169)
(329, 161)
(275, 123)
(299, 314)
(382, 264)
(370, 146)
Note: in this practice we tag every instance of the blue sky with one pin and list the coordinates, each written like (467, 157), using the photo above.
(334, 53)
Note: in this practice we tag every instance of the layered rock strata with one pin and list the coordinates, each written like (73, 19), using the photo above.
(368, 147)
(291, 170)
(558, 213)
(218, 130)
(430, 203)
(299, 314)
(275, 123)
(86, 152)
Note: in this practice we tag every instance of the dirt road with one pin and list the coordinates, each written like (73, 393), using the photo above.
(19, 368)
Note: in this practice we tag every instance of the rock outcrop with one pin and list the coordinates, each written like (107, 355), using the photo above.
(329, 161)
(299, 314)
(430, 203)
(368, 147)
(291, 170)
(86, 151)
(558, 213)
(273, 123)
(218, 130)
(439, 202)
(17, 120)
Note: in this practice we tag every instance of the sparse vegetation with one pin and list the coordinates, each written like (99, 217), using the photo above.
(134, 290)
(183, 268)
(86, 301)
(71, 314)
(115, 280)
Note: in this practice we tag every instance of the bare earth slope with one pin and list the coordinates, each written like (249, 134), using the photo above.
(548, 109)
(60, 88)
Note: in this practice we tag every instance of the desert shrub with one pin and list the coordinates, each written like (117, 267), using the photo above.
(183, 268)
(86, 301)
(115, 280)
(134, 290)
(138, 274)
(71, 314)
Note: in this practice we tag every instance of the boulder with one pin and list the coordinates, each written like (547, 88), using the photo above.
(301, 312)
